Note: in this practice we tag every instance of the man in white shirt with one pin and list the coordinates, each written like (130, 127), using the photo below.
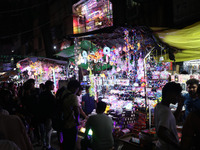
(165, 122)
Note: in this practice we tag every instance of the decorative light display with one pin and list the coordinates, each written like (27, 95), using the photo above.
(127, 75)
(76, 55)
(42, 70)
(92, 84)
(92, 15)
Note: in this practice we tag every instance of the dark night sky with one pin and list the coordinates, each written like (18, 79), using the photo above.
(16, 17)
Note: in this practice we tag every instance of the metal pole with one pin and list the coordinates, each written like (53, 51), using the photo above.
(145, 88)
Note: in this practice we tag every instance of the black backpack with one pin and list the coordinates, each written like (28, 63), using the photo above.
(57, 117)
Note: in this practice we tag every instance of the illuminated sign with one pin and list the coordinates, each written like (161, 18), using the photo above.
(92, 15)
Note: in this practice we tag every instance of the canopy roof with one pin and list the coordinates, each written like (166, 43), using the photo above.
(34, 59)
(69, 52)
(186, 40)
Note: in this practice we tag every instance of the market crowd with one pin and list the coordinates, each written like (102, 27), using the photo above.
(28, 115)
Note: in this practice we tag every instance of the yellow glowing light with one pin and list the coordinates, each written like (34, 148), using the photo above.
(107, 108)
(103, 75)
(82, 130)
(138, 44)
(111, 63)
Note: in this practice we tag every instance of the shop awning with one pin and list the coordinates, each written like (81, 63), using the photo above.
(84, 45)
(187, 40)
(27, 60)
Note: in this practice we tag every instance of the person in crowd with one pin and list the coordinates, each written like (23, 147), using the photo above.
(29, 102)
(4, 86)
(71, 115)
(11, 88)
(8, 145)
(82, 113)
(102, 126)
(12, 129)
(164, 119)
(88, 102)
(7, 102)
(42, 87)
(191, 132)
(60, 92)
(191, 129)
(59, 102)
(47, 104)
(191, 99)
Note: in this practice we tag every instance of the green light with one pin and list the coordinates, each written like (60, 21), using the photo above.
(90, 132)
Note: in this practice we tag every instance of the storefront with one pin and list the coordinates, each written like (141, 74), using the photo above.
(42, 69)
(125, 69)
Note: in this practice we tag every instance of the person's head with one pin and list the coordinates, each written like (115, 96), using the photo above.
(15, 85)
(192, 85)
(5, 96)
(42, 86)
(49, 85)
(87, 89)
(184, 72)
(5, 85)
(31, 83)
(171, 93)
(27, 86)
(101, 107)
(11, 85)
(73, 86)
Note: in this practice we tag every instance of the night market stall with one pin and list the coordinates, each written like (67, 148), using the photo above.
(125, 72)
(125, 67)
(42, 69)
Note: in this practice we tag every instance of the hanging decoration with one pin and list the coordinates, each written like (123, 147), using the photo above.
(106, 51)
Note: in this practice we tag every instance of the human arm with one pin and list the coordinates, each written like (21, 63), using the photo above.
(82, 113)
(76, 109)
(83, 102)
(164, 134)
(76, 114)
(179, 108)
